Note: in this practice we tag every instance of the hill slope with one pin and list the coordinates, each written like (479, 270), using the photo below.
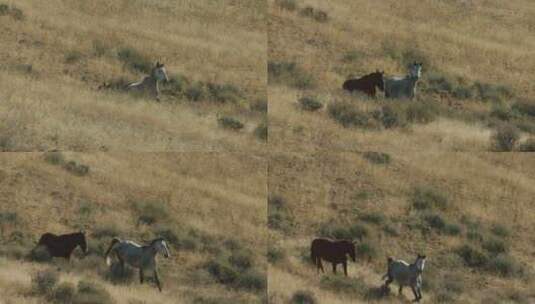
(210, 207)
(55, 55)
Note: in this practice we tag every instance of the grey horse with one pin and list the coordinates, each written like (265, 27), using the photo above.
(406, 274)
(149, 84)
(403, 87)
(137, 256)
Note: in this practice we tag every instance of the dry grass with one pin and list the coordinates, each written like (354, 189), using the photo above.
(485, 188)
(476, 41)
(219, 196)
(54, 60)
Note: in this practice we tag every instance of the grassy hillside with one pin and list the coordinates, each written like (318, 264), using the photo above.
(210, 207)
(478, 68)
(55, 54)
(471, 214)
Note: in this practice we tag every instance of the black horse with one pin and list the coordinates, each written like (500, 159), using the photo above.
(63, 245)
(366, 84)
(331, 251)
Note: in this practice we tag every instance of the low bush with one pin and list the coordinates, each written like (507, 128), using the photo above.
(259, 105)
(494, 246)
(13, 11)
(90, 293)
(261, 131)
(379, 158)
(252, 280)
(491, 92)
(64, 293)
(348, 115)
(116, 274)
(303, 297)
(310, 103)
(134, 60)
(472, 256)
(423, 113)
(524, 108)
(527, 146)
(373, 217)
(289, 73)
(275, 254)
(343, 284)
(336, 230)
(390, 116)
(500, 230)
(73, 56)
(505, 138)
(279, 215)
(290, 5)
(54, 158)
(230, 123)
(506, 266)
(314, 13)
(425, 198)
(366, 250)
(40, 254)
(76, 168)
(44, 282)
(151, 212)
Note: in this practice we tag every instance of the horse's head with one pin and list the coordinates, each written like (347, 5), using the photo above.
(420, 262)
(160, 246)
(415, 70)
(159, 72)
(378, 77)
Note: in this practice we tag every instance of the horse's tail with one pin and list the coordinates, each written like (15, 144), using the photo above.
(345, 86)
(108, 258)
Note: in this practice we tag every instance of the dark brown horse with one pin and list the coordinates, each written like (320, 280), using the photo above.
(63, 245)
(366, 84)
(331, 251)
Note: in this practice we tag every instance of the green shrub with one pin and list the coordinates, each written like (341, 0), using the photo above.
(222, 271)
(494, 246)
(106, 230)
(316, 14)
(310, 103)
(224, 93)
(196, 92)
(390, 116)
(275, 254)
(134, 60)
(348, 115)
(289, 73)
(76, 168)
(303, 297)
(500, 230)
(506, 266)
(452, 229)
(490, 92)
(73, 56)
(366, 251)
(425, 198)
(524, 108)
(343, 232)
(230, 123)
(261, 131)
(54, 158)
(435, 221)
(374, 218)
(501, 113)
(44, 281)
(14, 12)
(252, 280)
(505, 138)
(418, 112)
(91, 293)
(472, 257)
(379, 158)
(100, 48)
(353, 56)
(64, 293)
(279, 215)
(40, 254)
(151, 212)
(259, 105)
(290, 5)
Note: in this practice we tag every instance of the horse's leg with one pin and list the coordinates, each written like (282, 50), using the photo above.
(400, 289)
(321, 265)
(345, 268)
(416, 297)
(334, 268)
(141, 275)
(157, 280)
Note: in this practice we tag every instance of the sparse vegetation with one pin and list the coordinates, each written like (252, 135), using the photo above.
(261, 131)
(377, 157)
(310, 103)
(135, 60)
(90, 292)
(290, 5)
(348, 115)
(44, 282)
(303, 297)
(314, 13)
(279, 216)
(12, 11)
(505, 138)
(230, 123)
(425, 198)
(289, 73)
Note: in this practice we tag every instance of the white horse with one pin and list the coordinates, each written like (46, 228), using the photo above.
(406, 274)
(137, 256)
(149, 84)
(403, 87)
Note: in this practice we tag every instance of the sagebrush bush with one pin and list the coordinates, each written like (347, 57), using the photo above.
(73, 56)
(348, 115)
(275, 254)
(472, 256)
(494, 246)
(259, 105)
(44, 281)
(506, 266)
(336, 230)
(373, 217)
(224, 93)
(279, 215)
(289, 73)
(366, 250)
(76, 168)
(524, 108)
(230, 123)
(505, 138)
(425, 197)
(13, 11)
(134, 60)
(314, 13)
(261, 131)
(54, 158)
(64, 293)
(310, 103)
(343, 284)
(290, 5)
(377, 157)
(390, 116)
(151, 212)
(40, 254)
(527, 146)
(491, 92)
(500, 230)
(303, 297)
(91, 293)
(252, 280)
(423, 113)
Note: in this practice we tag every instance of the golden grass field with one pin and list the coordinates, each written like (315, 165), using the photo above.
(489, 42)
(209, 201)
(483, 190)
(53, 59)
